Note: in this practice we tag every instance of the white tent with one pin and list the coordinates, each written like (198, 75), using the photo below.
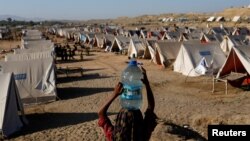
(151, 47)
(35, 79)
(31, 38)
(231, 41)
(219, 19)
(166, 52)
(236, 18)
(11, 106)
(108, 40)
(116, 46)
(120, 43)
(138, 47)
(191, 54)
(90, 38)
(99, 40)
(211, 37)
(32, 35)
(33, 50)
(173, 36)
(29, 56)
(32, 32)
(211, 19)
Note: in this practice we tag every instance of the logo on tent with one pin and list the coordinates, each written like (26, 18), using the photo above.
(21, 76)
(205, 53)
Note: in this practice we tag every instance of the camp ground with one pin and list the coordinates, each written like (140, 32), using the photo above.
(60, 73)
(11, 113)
(196, 58)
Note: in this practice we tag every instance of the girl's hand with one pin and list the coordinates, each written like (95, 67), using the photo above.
(118, 89)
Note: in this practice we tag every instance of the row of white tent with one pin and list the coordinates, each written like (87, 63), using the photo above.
(31, 78)
(221, 18)
(162, 33)
(164, 52)
(210, 48)
(191, 58)
(109, 40)
(142, 47)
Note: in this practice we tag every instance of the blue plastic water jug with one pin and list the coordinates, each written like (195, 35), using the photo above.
(131, 98)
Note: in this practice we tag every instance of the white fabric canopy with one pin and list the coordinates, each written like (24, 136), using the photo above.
(10, 104)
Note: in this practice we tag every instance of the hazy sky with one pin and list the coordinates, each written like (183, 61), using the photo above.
(96, 9)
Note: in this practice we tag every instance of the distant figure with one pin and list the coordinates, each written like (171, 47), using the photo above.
(87, 51)
(81, 55)
(58, 50)
(64, 54)
(72, 53)
(129, 124)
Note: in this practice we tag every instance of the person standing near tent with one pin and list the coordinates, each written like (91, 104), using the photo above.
(129, 124)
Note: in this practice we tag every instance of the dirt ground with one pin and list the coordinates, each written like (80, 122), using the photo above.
(184, 106)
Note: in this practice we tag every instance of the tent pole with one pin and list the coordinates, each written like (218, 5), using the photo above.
(226, 87)
(213, 85)
(188, 75)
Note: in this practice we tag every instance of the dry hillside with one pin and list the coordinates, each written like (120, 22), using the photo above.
(154, 21)
(195, 19)
(231, 12)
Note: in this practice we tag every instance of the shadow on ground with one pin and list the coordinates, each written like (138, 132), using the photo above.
(184, 132)
(74, 92)
(45, 121)
(72, 78)
(68, 61)
(96, 69)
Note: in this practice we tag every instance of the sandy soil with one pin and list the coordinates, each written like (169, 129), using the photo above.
(179, 103)
(7, 46)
